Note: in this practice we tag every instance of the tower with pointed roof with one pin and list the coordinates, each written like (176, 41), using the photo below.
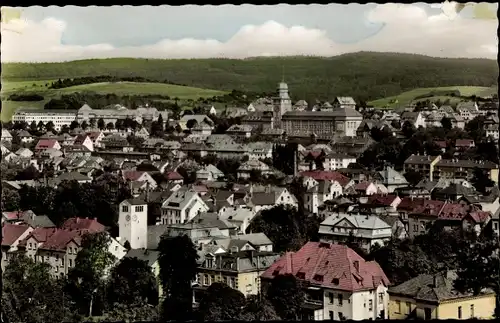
(281, 103)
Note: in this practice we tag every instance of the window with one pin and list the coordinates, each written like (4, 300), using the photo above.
(31, 245)
(408, 308)
(330, 298)
(381, 298)
(495, 225)
(210, 262)
(331, 315)
(415, 227)
(139, 208)
(341, 299)
(370, 305)
(398, 307)
(124, 208)
(206, 280)
(471, 310)
(71, 263)
(232, 283)
(62, 262)
(460, 312)
(341, 316)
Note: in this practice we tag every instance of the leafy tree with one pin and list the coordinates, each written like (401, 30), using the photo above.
(119, 124)
(84, 125)
(220, 303)
(29, 173)
(40, 126)
(132, 282)
(10, 200)
(64, 129)
(408, 129)
(32, 295)
(286, 295)
(49, 126)
(191, 123)
(378, 155)
(93, 123)
(413, 177)
(92, 263)
(178, 268)
(284, 225)
(131, 313)
(74, 125)
(110, 126)
(478, 265)
(481, 180)
(446, 123)
(258, 308)
(100, 124)
(33, 126)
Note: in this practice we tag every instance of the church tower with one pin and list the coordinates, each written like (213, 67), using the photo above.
(133, 222)
(281, 103)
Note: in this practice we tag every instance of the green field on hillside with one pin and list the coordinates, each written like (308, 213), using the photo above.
(118, 88)
(407, 97)
(365, 76)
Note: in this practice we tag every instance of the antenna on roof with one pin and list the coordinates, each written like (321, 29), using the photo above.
(283, 73)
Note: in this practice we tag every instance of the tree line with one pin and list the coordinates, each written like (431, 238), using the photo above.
(67, 82)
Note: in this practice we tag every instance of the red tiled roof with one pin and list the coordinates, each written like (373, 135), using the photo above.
(429, 207)
(464, 142)
(173, 176)
(93, 135)
(80, 139)
(14, 215)
(39, 234)
(329, 265)
(453, 211)
(90, 225)
(385, 200)
(408, 203)
(46, 143)
(60, 239)
(132, 175)
(362, 186)
(12, 232)
(440, 143)
(480, 216)
(326, 176)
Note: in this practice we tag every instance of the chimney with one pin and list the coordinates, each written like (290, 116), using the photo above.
(356, 265)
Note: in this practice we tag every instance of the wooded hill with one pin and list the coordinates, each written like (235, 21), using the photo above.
(365, 76)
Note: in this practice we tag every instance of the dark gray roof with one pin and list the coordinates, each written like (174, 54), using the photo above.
(73, 176)
(433, 288)
(136, 201)
(150, 256)
(420, 160)
(486, 164)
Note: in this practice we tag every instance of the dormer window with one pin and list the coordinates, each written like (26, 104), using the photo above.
(335, 281)
(318, 278)
(301, 275)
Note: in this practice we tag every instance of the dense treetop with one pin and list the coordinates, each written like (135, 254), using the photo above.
(363, 75)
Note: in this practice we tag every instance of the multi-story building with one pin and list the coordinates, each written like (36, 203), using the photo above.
(338, 283)
(422, 164)
(12, 234)
(59, 247)
(342, 119)
(239, 269)
(433, 297)
(182, 206)
(118, 112)
(58, 117)
(334, 161)
(368, 230)
(463, 169)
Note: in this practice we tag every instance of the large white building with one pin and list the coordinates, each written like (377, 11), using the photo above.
(118, 112)
(59, 117)
(133, 223)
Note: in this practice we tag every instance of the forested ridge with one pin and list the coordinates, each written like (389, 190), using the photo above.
(365, 75)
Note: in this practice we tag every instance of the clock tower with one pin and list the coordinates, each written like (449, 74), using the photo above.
(133, 222)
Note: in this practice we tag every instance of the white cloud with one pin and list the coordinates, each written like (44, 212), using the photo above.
(407, 28)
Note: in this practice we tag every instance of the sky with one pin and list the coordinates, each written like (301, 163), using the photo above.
(53, 34)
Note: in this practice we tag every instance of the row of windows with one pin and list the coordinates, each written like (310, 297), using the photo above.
(138, 208)
(207, 280)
